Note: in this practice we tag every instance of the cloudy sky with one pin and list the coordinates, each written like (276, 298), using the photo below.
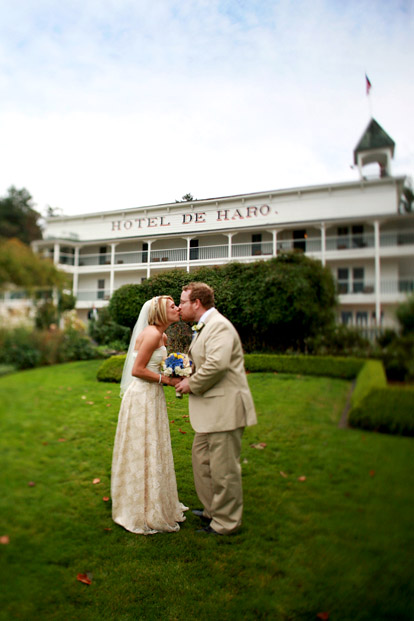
(113, 104)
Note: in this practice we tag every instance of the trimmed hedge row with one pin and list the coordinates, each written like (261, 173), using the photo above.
(327, 366)
(370, 377)
(374, 405)
(388, 410)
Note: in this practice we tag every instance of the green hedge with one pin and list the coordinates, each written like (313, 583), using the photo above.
(344, 368)
(371, 376)
(111, 369)
(327, 366)
(374, 405)
(388, 410)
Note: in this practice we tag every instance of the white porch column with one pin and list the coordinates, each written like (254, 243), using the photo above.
(377, 273)
(112, 273)
(188, 239)
(229, 237)
(149, 242)
(323, 243)
(56, 253)
(274, 233)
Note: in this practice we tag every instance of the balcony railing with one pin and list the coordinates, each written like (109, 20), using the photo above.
(91, 295)
(246, 250)
(387, 287)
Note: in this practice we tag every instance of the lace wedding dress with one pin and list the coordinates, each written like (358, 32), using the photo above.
(143, 485)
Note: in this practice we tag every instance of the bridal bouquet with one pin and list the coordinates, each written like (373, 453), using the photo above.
(178, 365)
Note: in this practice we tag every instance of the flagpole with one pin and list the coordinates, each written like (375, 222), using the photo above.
(368, 92)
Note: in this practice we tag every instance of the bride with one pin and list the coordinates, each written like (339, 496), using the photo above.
(143, 485)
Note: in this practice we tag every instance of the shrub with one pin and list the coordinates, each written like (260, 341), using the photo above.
(275, 305)
(18, 349)
(339, 340)
(405, 316)
(111, 369)
(46, 315)
(105, 330)
(387, 410)
(328, 366)
(75, 346)
(398, 358)
(179, 337)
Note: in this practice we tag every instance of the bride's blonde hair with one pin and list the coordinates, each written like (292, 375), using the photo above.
(157, 313)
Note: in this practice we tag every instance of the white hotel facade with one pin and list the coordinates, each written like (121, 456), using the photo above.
(362, 230)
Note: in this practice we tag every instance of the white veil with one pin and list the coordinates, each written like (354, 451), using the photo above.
(142, 323)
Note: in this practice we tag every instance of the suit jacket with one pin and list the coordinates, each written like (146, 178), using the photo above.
(220, 398)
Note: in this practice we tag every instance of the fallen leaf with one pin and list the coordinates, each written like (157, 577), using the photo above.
(95, 481)
(245, 461)
(323, 615)
(61, 439)
(4, 539)
(83, 397)
(108, 391)
(31, 484)
(372, 473)
(172, 421)
(107, 528)
(107, 397)
(260, 445)
(105, 498)
(301, 478)
(69, 388)
(181, 431)
(108, 405)
(90, 402)
(283, 474)
(45, 443)
(186, 416)
(84, 578)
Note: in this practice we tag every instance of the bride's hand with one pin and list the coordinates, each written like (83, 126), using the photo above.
(173, 381)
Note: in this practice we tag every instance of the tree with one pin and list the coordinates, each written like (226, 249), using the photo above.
(18, 218)
(274, 305)
(20, 266)
(187, 198)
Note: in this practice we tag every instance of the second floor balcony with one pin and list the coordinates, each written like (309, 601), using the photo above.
(334, 245)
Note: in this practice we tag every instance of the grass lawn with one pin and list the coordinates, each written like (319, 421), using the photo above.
(339, 541)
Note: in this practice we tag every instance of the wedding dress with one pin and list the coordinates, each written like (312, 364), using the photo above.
(143, 485)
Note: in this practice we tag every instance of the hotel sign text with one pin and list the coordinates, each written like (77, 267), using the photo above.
(192, 217)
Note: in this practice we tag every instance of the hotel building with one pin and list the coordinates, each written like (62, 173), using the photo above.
(362, 230)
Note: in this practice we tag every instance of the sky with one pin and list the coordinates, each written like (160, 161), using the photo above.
(115, 104)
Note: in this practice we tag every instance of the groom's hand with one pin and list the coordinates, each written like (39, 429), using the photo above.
(183, 386)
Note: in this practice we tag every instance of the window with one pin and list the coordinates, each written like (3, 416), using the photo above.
(144, 257)
(358, 236)
(101, 289)
(102, 255)
(358, 279)
(299, 239)
(343, 280)
(346, 318)
(193, 249)
(362, 318)
(257, 244)
(343, 237)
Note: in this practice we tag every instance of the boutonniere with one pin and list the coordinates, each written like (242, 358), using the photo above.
(199, 326)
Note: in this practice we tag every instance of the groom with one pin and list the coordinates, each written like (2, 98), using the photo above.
(220, 406)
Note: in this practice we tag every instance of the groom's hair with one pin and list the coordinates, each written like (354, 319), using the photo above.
(200, 291)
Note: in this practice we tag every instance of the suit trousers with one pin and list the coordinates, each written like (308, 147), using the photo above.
(217, 477)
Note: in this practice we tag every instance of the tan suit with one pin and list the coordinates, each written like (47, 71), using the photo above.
(220, 406)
